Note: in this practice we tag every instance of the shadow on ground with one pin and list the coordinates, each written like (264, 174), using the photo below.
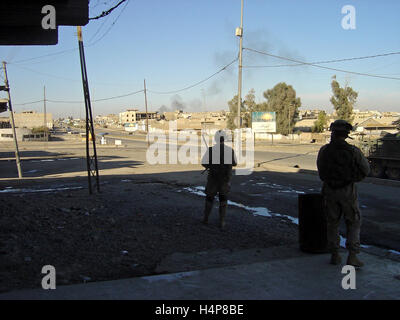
(138, 220)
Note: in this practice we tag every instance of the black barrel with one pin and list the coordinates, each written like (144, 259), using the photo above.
(312, 223)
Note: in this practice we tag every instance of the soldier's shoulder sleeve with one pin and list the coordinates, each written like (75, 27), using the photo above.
(320, 155)
(205, 160)
(361, 161)
(234, 159)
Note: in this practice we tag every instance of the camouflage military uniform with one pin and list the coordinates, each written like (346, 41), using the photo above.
(341, 200)
(219, 161)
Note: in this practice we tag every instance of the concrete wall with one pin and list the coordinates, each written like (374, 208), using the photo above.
(7, 134)
(32, 120)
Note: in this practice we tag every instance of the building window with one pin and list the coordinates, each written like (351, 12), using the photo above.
(6, 135)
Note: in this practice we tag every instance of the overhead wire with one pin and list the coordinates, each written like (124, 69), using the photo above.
(323, 62)
(107, 12)
(197, 83)
(322, 67)
(110, 27)
(139, 91)
(81, 101)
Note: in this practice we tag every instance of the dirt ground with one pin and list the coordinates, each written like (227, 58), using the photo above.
(125, 231)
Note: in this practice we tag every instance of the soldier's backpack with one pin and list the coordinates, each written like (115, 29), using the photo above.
(337, 165)
(219, 170)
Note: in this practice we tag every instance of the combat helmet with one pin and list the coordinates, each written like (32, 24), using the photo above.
(341, 125)
(220, 136)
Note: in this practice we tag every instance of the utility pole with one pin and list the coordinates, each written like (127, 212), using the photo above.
(289, 120)
(91, 160)
(239, 33)
(7, 88)
(44, 112)
(147, 115)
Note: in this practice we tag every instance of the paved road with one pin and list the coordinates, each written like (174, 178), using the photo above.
(305, 159)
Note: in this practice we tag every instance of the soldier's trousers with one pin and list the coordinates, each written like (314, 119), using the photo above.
(217, 186)
(342, 202)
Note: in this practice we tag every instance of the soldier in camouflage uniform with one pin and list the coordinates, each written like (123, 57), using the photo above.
(218, 160)
(340, 165)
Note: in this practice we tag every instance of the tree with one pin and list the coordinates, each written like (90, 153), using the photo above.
(282, 99)
(233, 112)
(246, 108)
(343, 100)
(250, 106)
(320, 123)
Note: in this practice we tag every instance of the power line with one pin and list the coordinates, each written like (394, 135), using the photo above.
(64, 78)
(47, 74)
(139, 91)
(107, 12)
(322, 62)
(197, 83)
(322, 67)
(112, 24)
(76, 101)
(46, 55)
(98, 29)
(97, 100)
(25, 103)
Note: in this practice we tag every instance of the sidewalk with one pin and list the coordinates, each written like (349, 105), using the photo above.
(303, 277)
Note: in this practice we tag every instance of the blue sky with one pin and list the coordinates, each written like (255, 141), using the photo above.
(173, 44)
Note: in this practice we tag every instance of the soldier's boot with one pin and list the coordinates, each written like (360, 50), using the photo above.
(207, 211)
(336, 258)
(222, 213)
(352, 260)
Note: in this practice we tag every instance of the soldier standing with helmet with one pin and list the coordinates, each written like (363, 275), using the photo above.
(340, 166)
(218, 160)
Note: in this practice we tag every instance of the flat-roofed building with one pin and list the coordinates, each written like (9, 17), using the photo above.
(134, 115)
(33, 119)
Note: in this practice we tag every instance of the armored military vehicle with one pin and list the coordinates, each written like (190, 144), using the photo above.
(384, 157)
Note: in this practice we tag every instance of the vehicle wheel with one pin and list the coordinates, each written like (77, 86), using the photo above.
(377, 170)
(393, 173)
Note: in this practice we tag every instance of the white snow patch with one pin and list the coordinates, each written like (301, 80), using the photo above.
(65, 159)
(342, 242)
(259, 211)
(38, 190)
(280, 188)
(292, 219)
(170, 277)
(195, 190)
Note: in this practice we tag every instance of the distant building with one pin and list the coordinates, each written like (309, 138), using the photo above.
(23, 134)
(32, 119)
(107, 120)
(134, 115)
(373, 126)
